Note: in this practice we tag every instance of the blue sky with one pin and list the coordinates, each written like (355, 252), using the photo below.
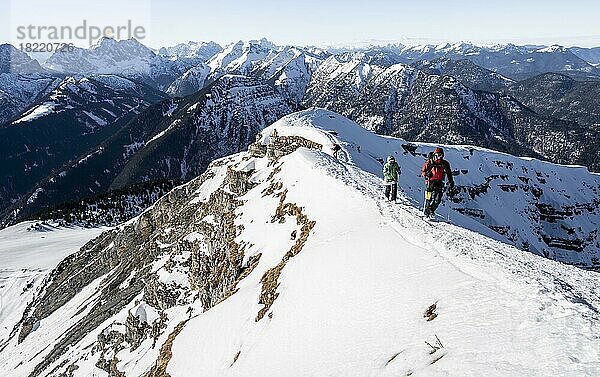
(325, 22)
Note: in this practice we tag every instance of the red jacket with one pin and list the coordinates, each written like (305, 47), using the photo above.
(437, 170)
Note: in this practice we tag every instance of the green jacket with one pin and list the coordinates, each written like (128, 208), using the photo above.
(391, 170)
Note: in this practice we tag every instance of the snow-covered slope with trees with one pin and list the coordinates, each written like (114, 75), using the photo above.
(467, 72)
(285, 261)
(73, 117)
(174, 139)
(19, 91)
(561, 97)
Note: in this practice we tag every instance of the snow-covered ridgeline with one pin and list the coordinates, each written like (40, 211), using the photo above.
(549, 209)
(320, 276)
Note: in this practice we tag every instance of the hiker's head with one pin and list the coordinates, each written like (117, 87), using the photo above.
(391, 159)
(438, 154)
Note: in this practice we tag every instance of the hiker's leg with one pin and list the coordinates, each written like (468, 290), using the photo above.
(436, 198)
(427, 200)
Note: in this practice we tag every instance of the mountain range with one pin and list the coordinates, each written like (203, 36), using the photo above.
(174, 139)
(421, 105)
(452, 94)
(219, 210)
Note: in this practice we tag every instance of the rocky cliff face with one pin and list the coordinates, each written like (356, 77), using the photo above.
(221, 120)
(126, 261)
(13, 60)
(190, 82)
(134, 286)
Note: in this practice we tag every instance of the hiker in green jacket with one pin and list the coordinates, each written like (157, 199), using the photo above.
(391, 171)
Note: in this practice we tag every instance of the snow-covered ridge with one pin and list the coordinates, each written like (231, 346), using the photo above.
(549, 209)
(86, 95)
(201, 51)
(36, 112)
(286, 248)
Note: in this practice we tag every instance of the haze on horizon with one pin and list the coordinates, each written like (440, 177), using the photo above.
(324, 23)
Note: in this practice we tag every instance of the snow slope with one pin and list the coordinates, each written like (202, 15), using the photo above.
(28, 252)
(18, 92)
(292, 264)
(351, 304)
(549, 209)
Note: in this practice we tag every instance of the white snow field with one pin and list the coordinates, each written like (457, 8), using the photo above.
(352, 301)
(27, 254)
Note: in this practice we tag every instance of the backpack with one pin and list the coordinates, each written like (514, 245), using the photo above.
(438, 172)
(391, 171)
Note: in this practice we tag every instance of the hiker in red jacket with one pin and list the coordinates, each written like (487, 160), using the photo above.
(435, 169)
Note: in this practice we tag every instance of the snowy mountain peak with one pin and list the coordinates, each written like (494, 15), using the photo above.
(104, 42)
(552, 49)
(264, 43)
(128, 58)
(192, 50)
(107, 56)
(125, 48)
(242, 57)
(13, 60)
